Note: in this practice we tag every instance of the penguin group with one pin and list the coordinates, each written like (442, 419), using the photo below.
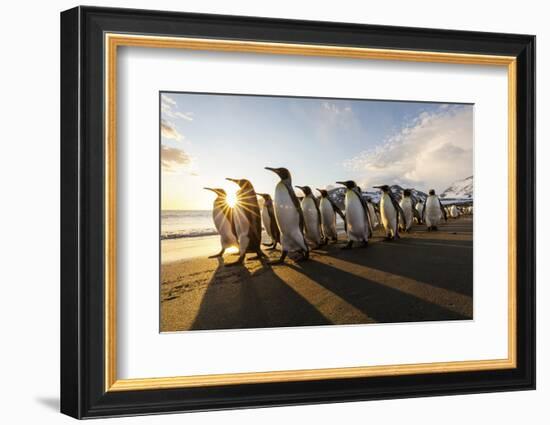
(301, 224)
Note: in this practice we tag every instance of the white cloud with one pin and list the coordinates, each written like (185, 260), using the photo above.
(167, 105)
(168, 100)
(433, 151)
(173, 159)
(186, 116)
(169, 131)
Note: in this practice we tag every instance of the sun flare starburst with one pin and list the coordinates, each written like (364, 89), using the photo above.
(231, 198)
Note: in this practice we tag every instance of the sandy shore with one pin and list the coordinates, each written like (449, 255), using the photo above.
(424, 276)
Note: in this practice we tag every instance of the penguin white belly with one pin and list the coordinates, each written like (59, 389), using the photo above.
(355, 218)
(223, 226)
(372, 215)
(454, 211)
(241, 226)
(267, 221)
(288, 220)
(419, 208)
(311, 220)
(389, 216)
(406, 206)
(328, 219)
(433, 212)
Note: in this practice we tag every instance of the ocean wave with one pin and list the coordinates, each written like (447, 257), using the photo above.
(193, 233)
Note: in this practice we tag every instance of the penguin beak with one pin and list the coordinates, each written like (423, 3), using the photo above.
(210, 189)
(377, 187)
(231, 180)
(319, 190)
(299, 187)
(270, 169)
(342, 183)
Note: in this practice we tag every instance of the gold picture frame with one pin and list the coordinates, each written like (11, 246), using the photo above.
(114, 41)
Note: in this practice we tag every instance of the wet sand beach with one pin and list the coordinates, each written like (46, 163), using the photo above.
(424, 276)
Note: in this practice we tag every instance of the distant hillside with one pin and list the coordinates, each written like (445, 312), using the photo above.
(460, 189)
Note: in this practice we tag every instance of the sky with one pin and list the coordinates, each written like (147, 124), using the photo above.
(208, 137)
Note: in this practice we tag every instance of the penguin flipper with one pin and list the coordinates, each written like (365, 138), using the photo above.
(297, 205)
(252, 213)
(316, 202)
(365, 209)
(275, 232)
(339, 212)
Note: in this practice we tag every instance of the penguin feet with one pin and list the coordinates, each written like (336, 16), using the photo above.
(364, 244)
(388, 238)
(349, 245)
(434, 228)
(304, 257)
(281, 260)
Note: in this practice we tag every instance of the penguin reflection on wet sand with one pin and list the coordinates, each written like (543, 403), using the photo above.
(357, 215)
(270, 222)
(312, 217)
(290, 216)
(328, 216)
(222, 214)
(433, 211)
(248, 225)
(389, 212)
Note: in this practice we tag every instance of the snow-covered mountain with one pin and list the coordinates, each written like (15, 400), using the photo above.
(460, 189)
(338, 194)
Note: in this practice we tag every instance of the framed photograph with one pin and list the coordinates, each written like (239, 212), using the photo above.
(261, 212)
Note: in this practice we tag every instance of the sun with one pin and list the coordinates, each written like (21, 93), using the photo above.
(231, 198)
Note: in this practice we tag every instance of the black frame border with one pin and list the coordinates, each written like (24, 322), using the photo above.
(82, 206)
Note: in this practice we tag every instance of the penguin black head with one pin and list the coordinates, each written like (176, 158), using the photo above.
(323, 192)
(384, 188)
(350, 184)
(407, 192)
(243, 183)
(282, 172)
(266, 196)
(217, 191)
(305, 189)
(431, 192)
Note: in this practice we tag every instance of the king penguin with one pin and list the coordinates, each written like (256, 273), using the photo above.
(248, 225)
(269, 220)
(433, 211)
(222, 214)
(289, 215)
(406, 204)
(312, 217)
(420, 211)
(357, 215)
(372, 214)
(454, 213)
(328, 216)
(390, 212)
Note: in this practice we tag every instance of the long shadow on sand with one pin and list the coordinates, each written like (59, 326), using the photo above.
(443, 263)
(383, 304)
(238, 298)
